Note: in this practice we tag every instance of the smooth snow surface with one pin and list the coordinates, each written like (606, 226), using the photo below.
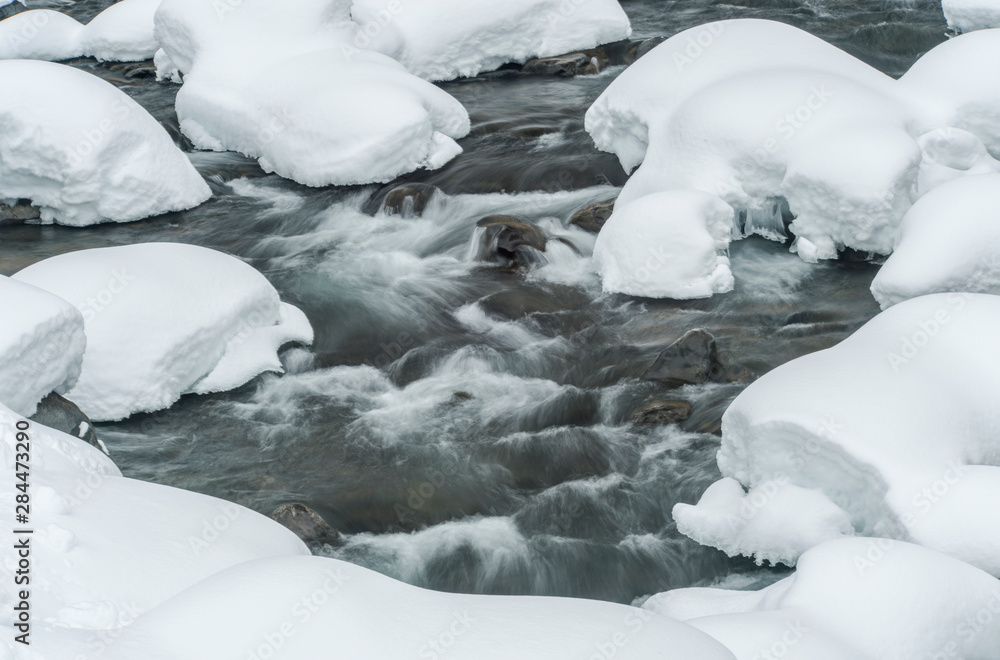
(853, 599)
(969, 15)
(289, 88)
(897, 426)
(41, 345)
(84, 152)
(445, 39)
(667, 245)
(948, 241)
(166, 319)
(121, 33)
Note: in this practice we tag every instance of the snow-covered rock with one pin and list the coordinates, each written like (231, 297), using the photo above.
(667, 245)
(948, 241)
(955, 83)
(315, 604)
(969, 15)
(445, 39)
(853, 599)
(84, 152)
(98, 537)
(41, 345)
(897, 426)
(121, 33)
(288, 87)
(167, 319)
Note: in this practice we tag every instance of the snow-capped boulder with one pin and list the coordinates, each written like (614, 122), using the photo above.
(121, 33)
(167, 319)
(288, 88)
(97, 535)
(948, 241)
(314, 603)
(84, 152)
(969, 15)
(445, 39)
(41, 345)
(667, 245)
(853, 599)
(897, 426)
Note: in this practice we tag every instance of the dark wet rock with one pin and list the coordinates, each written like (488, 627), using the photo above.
(510, 241)
(21, 211)
(582, 63)
(462, 396)
(637, 49)
(738, 373)
(59, 413)
(514, 304)
(13, 8)
(408, 200)
(593, 216)
(692, 359)
(810, 317)
(661, 412)
(306, 524)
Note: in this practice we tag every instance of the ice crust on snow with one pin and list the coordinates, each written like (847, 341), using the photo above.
(969, 15)
(446, 39)
(668, 244)
(84, 152)
(753, 110)
(167, 319)
(290, 89)
(853, 599)
(897, 426)
(41, 345)
(948, 241)
(121, 33)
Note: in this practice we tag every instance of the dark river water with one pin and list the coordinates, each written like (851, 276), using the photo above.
(465, 426)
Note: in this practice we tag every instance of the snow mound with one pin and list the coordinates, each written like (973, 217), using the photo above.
(318, 603)
(288, 88)
(446, 39)
(96, 535)
(955, 81)
(756, 524)
(969, 15)
(667, 245)
(948, 241)
(166, 319)
(897, 426)
(121, 33)
(853, 599)
(41, 345)
(84, 151)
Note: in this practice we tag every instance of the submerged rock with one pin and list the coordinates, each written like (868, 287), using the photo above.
(661, 412)
(593, 216)
(510, 241)
(61, 414)
(514, 304)
(582, 63)
(408, 201)
(692, 359)
(306, 524)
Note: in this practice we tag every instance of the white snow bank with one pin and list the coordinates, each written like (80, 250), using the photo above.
(41, 345)
(105, 548)
(315, 603)
(969, 15)
(84, 151)
(948, 241)
(649, 92)
(165, 319)
(955, 82)
(445, 39)
(121, 33)
(667, 245)
(897, 426)
(853, 599)
(288, 87)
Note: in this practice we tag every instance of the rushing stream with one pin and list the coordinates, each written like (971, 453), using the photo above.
(465, 426)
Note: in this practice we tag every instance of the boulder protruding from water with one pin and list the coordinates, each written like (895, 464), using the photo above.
(593, 216)
(582, 63)
(661, 412)
(691, 360)
(408, 200)
(510, 241)
(61, 414)
(21, 210)
(306, 524)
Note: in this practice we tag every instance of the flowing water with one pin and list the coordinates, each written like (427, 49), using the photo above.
(466, 426)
